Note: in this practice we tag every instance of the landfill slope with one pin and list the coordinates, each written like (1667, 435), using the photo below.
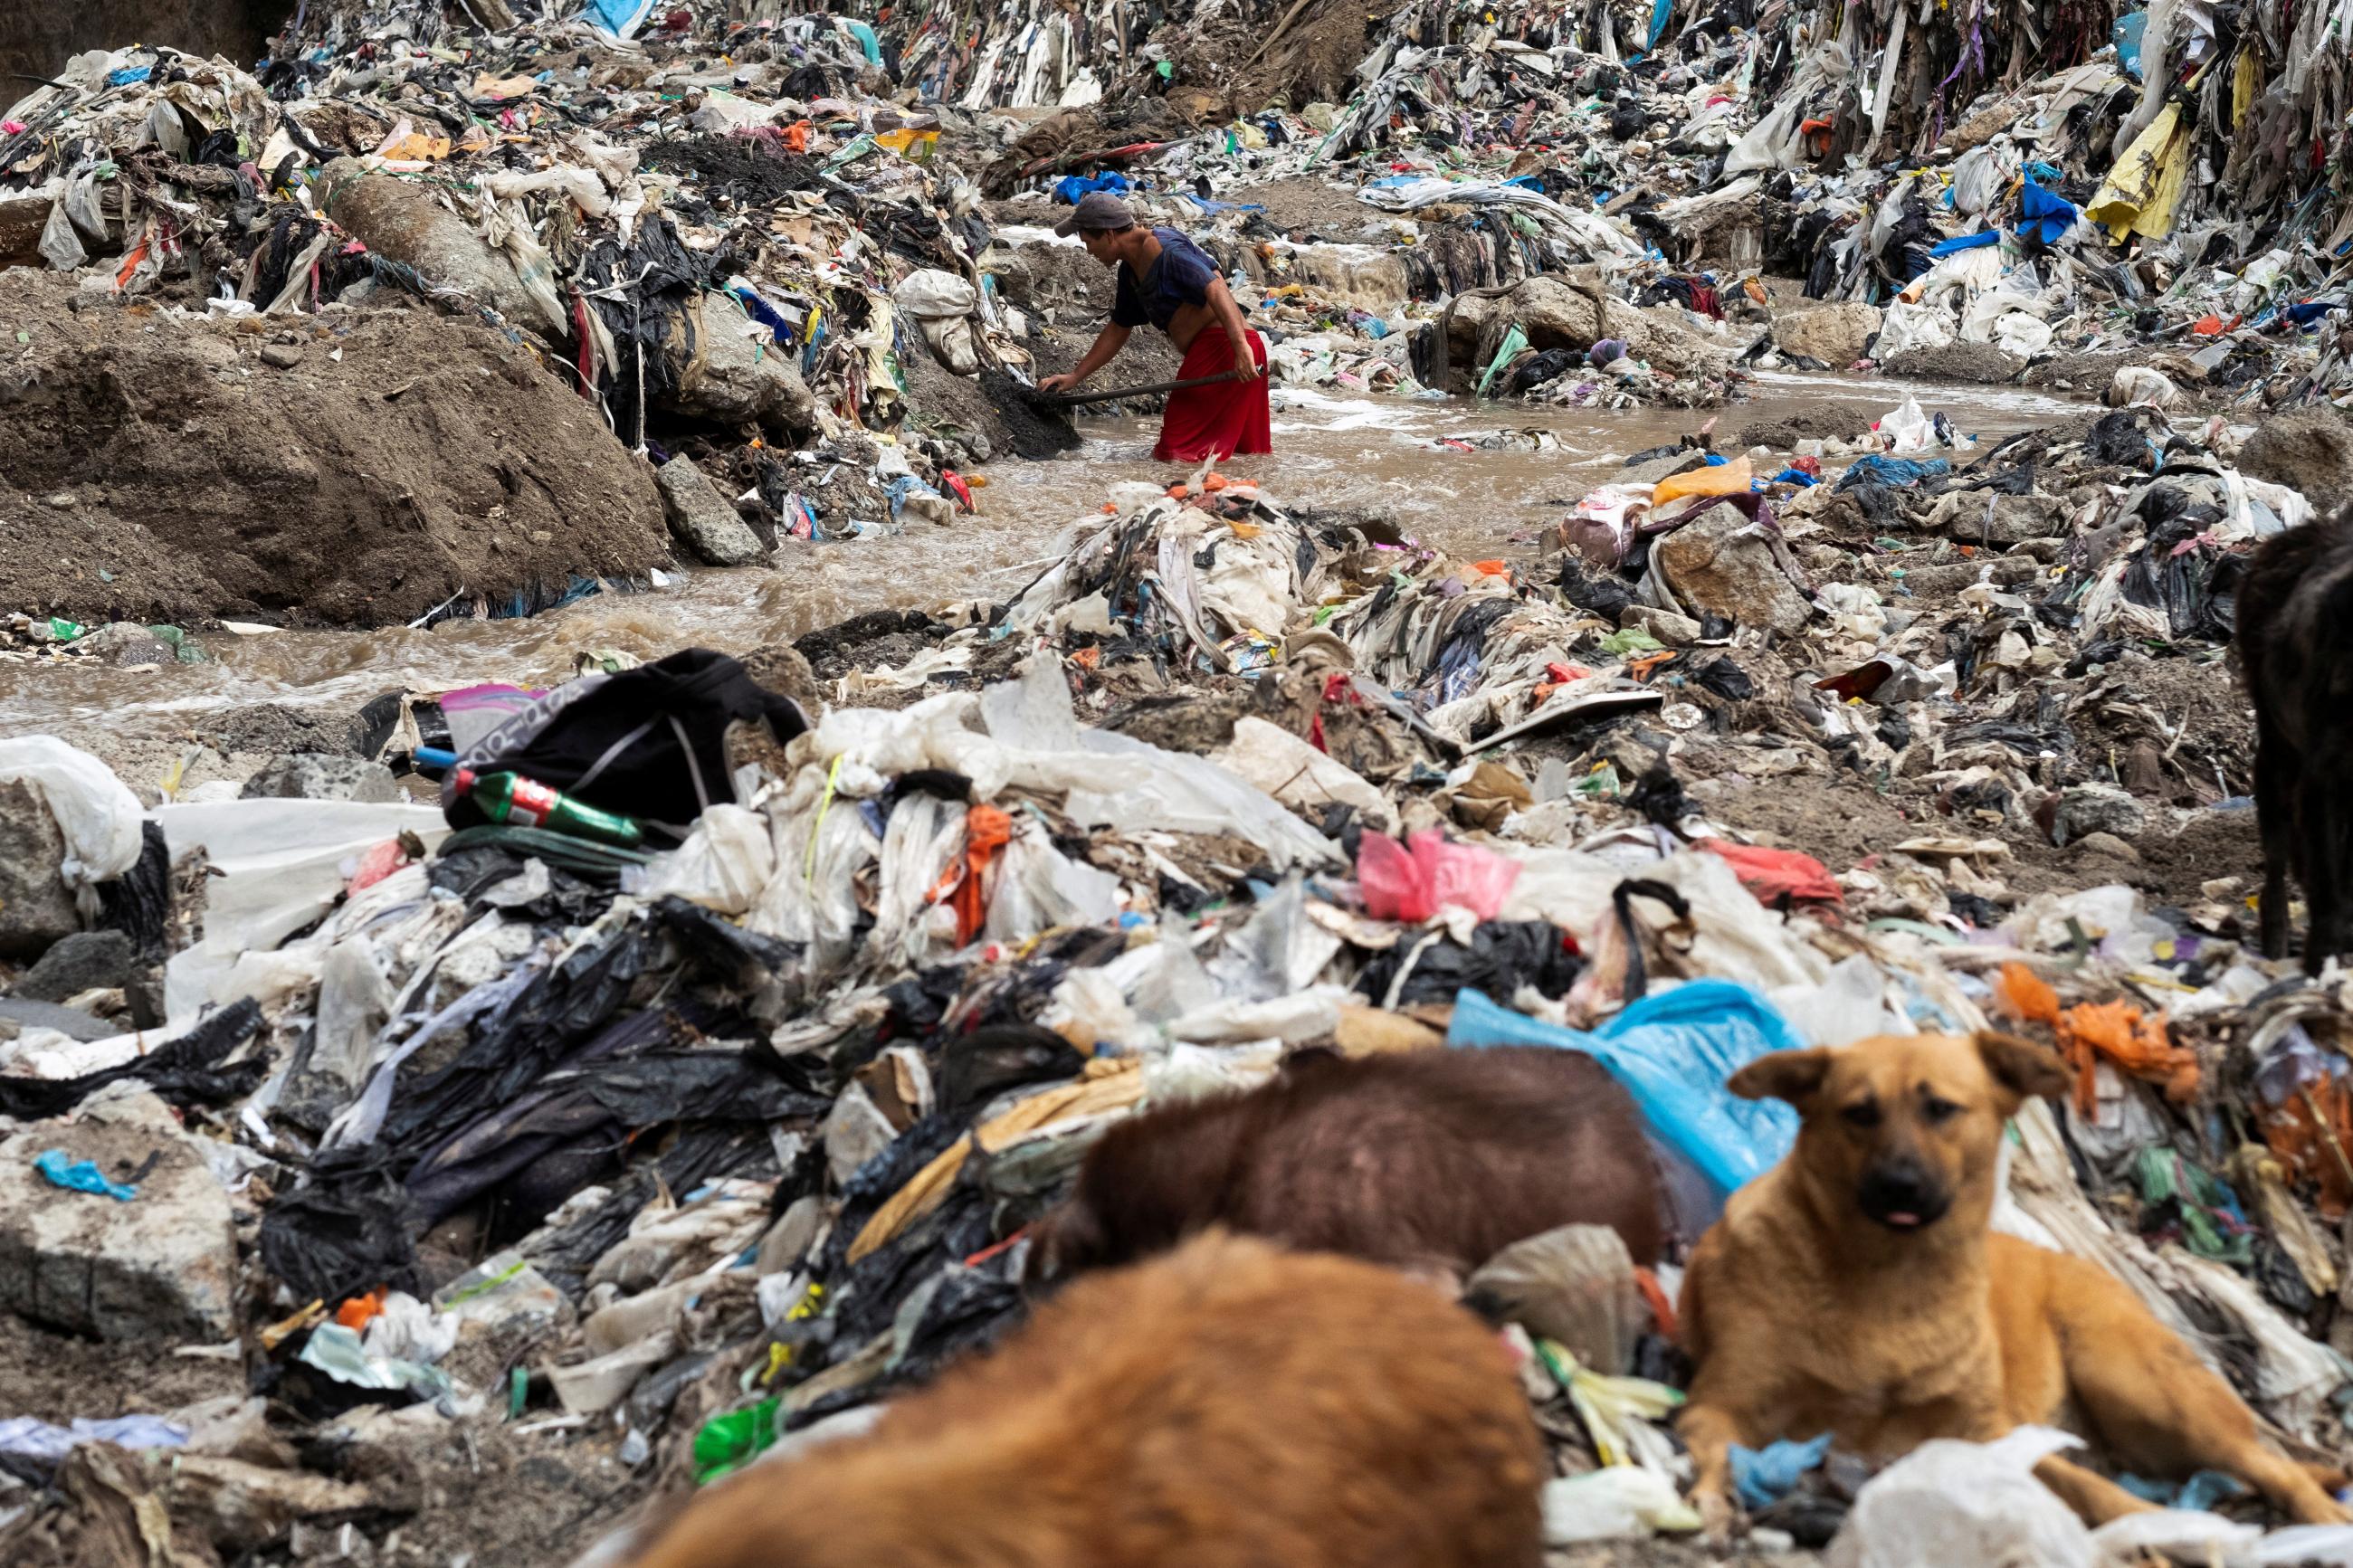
(165, 470)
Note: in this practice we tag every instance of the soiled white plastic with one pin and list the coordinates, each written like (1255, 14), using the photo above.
(278, 866)
(1610, 1504)
(1736, 938)
(1297, 774)
(1949, 1503)
(723, 865)
(99, 818)
(1035, 887)
(1311, 1015)
(1849, 1006)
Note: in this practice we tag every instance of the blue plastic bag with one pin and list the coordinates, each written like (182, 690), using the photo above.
(1069, 188)
(81, 1176)
(1961, 242)
(1764, 1477)
(2127, 36)
(2042, 215)
(1872, 468)
(1672, 1050)
(621, 18)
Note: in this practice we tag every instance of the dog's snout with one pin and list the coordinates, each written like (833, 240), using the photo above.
(1901, 1194)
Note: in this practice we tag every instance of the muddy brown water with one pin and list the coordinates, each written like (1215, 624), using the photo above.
(1332, 451)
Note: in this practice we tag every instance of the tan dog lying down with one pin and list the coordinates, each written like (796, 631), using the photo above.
(1228, 1404)
(1857, 1288)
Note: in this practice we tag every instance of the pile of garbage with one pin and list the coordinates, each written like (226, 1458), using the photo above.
(555, 1100)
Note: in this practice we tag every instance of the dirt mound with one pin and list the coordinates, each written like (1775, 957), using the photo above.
(1955, 361)
(354, 468)
(2310, 450)
(992, 406)
(1784, 434)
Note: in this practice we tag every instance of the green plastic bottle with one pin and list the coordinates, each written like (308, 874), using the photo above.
(527, 802)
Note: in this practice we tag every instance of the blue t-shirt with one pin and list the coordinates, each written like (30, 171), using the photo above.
(1180, 276)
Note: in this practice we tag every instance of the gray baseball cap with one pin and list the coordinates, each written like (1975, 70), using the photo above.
(1097, 210)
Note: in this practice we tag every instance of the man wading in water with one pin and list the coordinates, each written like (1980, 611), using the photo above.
(1168, 282)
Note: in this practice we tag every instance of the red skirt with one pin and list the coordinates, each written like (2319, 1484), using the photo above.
(1227, 420)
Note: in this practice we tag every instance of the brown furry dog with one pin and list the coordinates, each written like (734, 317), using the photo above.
(1431, 1160)
(1857, 1288)
(1232, 1404)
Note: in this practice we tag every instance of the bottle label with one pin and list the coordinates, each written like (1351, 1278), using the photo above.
(530, 802)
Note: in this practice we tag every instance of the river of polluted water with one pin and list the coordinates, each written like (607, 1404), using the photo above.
(1332, 451)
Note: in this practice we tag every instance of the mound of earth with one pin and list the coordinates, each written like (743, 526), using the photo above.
(355, 467)
(2310, 449)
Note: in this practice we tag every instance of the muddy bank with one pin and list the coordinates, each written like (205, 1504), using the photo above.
(354, 468)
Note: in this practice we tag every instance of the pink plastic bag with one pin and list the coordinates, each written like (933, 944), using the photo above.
(377, 863)
(1412, 884)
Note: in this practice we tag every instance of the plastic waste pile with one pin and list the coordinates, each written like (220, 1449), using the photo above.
(678, 1064)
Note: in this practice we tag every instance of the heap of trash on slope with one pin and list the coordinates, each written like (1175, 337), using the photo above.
(684, 1068)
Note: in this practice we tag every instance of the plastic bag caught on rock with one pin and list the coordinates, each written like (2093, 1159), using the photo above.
(99, 818)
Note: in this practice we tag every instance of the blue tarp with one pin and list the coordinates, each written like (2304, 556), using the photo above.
(1964, 242)
(1875, 469)
(1672, 1050)
(1070, 187)
(619, 17)
(2042, 216)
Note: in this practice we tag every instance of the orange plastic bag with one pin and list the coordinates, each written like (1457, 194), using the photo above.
(1723, 480)
(2133, 1041)
(2313, 1135)
(985, 831)
(360, 1310)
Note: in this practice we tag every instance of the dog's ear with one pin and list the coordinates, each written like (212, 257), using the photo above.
(1792, 1076)
(2022, 1067)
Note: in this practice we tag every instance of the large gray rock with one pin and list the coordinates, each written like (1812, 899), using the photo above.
(315, 776)
(35, 907)
(729, 377)
(85, 960)
(1716, 566)
(1650, 470)
(158, 1270)
(2085, 810)
(701, 518)
(1977, 517)
(399, 219)
(1832, 333)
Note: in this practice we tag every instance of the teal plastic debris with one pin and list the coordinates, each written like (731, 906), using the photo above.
(621, 18)
(1672, 1050)
(2127, 37)
(1764, 1476)
(81, 1176)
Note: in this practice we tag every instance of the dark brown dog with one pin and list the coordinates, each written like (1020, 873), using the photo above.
(2295, 638)
(1857, 1288)
(1432, 1161)
(1231, 1404)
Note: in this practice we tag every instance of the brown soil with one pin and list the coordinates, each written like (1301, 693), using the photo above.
(1838, 824)
(55, 1377)
(156, 468)
(1956, 361)
(1307, 203)
(2311, 449)
(2213, 844)
(1782, 434)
